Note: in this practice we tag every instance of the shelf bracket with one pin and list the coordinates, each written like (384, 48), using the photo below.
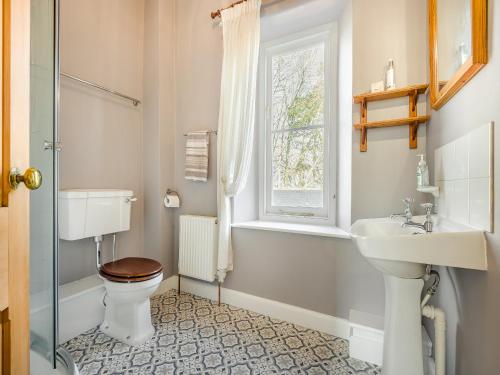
(363, 143)
(413, 128)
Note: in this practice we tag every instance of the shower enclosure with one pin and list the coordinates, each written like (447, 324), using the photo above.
(44, 95)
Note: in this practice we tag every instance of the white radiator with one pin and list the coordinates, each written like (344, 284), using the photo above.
(198, 240)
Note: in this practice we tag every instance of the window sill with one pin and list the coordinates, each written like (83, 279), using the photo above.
(307, 229)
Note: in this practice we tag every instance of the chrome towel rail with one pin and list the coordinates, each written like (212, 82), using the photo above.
(134, 101)
(202, 131)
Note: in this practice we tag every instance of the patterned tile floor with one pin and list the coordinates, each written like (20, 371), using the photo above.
(195, 336)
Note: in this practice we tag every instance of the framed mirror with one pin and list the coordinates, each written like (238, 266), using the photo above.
(458, 45)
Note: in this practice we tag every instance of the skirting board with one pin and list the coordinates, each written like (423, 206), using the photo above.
(367, 342)
(297, 315)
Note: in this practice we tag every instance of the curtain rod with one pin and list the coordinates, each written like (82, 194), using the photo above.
(216, 13)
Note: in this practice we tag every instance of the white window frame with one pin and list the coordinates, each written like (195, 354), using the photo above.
(326, 34)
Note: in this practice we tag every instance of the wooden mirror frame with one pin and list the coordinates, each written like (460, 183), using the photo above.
(479, 58)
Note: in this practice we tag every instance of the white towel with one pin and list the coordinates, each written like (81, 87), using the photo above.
(197, 147)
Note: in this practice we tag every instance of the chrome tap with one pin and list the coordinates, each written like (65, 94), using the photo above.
(407, 214)
(428, 224)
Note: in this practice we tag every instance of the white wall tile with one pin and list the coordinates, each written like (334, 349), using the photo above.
(448, 198)
(459, 204)
(479, 210)
(463, 172)
(461, 159)
(448, 152)
(441, 200)
(480, 152)
(438, 165)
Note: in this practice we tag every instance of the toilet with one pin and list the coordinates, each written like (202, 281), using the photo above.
(129, 282)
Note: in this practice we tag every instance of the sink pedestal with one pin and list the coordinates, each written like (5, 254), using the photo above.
(402, 330)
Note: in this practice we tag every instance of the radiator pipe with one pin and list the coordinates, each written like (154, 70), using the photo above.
(439, 318)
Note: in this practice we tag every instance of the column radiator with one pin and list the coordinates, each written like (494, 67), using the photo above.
(198, 240)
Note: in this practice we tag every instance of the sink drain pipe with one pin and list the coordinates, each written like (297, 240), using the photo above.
(433, 288)
(439, 318)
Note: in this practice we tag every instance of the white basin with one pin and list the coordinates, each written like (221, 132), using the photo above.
(450, 244)
(402, 254)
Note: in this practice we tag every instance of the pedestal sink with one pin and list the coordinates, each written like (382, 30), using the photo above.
(402, 255)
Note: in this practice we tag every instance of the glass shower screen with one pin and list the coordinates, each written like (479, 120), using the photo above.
(43, 311)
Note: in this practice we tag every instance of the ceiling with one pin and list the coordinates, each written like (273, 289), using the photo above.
(282, 17)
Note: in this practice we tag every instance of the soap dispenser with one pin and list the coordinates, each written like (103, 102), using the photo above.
(422, 172)
(390, 81)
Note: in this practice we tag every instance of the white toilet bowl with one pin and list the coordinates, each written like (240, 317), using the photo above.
(127, 315)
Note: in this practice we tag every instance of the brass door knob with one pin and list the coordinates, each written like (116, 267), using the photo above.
(32, 178)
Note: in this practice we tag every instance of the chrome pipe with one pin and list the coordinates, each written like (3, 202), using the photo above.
(203, 131)
(134, 101)
(98, 250)
(114, 246)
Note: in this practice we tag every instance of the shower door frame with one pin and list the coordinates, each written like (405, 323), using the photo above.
(15, 204)
(46, 343)
(55, 149)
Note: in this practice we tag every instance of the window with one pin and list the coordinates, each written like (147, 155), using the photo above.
(297, 127)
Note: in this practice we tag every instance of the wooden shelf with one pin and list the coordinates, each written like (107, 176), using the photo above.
(391, 94)
(395, 122)
(413, 120)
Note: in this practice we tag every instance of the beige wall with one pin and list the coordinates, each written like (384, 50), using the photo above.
(159, 129)
(197, 81)
(471, 298)
(344, 108)
(101, 41)
(386, 29)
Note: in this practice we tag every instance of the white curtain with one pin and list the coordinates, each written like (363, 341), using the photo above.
(241, 33)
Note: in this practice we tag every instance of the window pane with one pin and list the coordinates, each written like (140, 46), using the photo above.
(298, 91)
(298, 168)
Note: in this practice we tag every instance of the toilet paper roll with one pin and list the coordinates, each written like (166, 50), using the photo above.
(171, 200)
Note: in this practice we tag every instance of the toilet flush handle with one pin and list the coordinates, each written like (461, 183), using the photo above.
(130, 200)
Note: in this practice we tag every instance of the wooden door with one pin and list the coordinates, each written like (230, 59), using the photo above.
(14, 210)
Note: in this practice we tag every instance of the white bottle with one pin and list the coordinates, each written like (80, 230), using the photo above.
(422, 172)
(390, 81)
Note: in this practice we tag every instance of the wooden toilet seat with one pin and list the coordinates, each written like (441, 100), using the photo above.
(130, 270)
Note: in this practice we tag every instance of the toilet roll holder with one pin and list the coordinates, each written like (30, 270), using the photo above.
(170, 192)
